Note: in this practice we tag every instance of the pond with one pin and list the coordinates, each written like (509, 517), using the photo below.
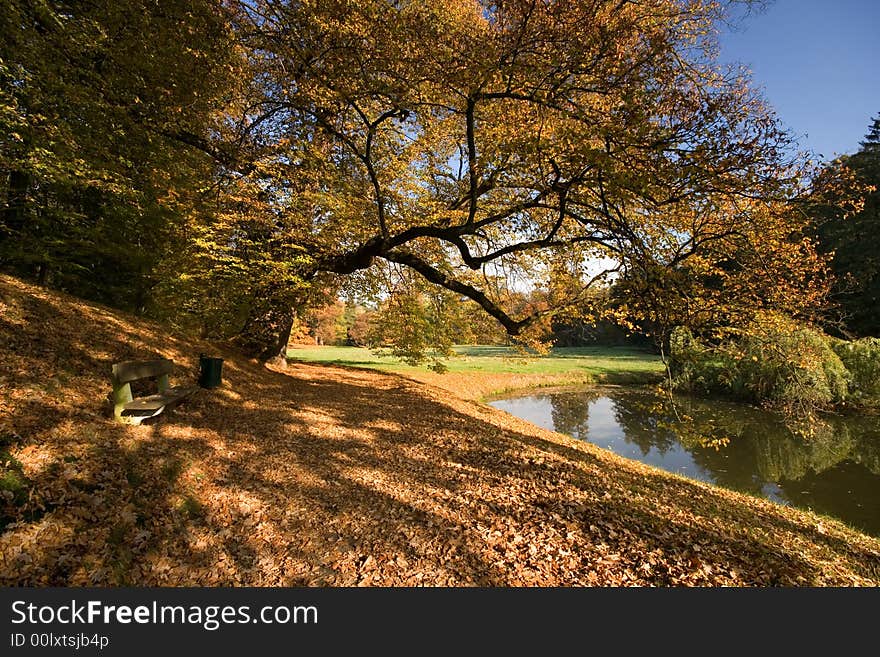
(835, 472)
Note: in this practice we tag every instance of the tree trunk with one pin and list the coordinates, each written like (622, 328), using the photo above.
(266, 332)
(14, 215)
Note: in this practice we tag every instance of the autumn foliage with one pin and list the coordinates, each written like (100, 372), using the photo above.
(291, 144)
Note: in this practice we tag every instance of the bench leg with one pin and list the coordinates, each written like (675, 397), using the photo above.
(121, 396)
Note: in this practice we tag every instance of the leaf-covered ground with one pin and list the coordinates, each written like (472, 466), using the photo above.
(330, 476)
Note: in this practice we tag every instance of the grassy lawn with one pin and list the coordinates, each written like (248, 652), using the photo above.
(491, 369)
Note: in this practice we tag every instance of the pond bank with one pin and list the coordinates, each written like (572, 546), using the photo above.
(485, 387)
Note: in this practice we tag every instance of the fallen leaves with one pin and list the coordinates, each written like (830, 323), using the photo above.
(329, 476)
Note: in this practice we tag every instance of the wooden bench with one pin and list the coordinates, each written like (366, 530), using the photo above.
(134, 410)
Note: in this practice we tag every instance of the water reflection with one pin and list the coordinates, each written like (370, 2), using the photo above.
(836, 472)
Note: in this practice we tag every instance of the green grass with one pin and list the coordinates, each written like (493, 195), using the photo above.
(14, 486)
(595, 361)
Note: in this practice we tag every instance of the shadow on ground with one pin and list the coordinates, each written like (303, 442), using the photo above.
(324, 475)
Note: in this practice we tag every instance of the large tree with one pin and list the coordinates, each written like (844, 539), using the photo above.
(468, 141)
(465, 139)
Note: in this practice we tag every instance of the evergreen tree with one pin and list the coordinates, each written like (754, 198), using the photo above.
(855, 242)
(872, 139)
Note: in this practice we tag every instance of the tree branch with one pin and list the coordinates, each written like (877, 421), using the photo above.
(429, 272)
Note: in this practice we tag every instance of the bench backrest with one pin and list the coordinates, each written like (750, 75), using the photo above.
(134, 370)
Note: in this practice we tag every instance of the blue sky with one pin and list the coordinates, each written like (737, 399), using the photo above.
(818, 62)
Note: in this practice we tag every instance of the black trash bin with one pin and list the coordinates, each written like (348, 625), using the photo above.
(210, 371)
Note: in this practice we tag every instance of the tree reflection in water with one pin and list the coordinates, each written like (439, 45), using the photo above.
(571, 412)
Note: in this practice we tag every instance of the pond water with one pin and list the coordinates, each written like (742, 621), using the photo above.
(836, 472)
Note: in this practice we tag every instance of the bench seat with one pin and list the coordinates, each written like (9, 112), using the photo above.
(154, 404)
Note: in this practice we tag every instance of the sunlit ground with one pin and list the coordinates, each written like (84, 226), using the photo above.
(496, 360)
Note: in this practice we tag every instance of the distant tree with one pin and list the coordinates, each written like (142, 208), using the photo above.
(419, 323)
(854, 241)
(328, 324)
(871, 144)
(361, 326)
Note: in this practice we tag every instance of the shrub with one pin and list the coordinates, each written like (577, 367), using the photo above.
(695, 367)
(791, 365)
(773, 361)
(862, 359)
(685, 357)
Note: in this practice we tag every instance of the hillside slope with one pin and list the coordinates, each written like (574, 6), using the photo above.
(332, 476)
